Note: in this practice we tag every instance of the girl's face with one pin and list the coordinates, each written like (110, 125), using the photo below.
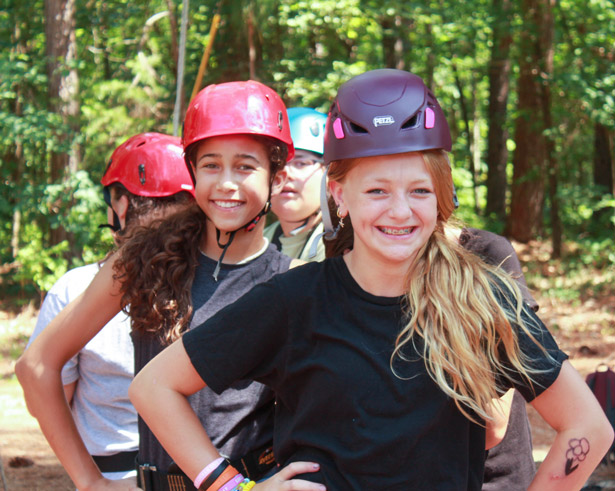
(232, 179)
(300, 195)
(393, 207)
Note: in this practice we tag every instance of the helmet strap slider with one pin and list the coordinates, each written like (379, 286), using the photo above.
(142, 174)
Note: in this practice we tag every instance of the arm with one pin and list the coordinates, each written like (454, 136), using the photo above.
(159, 392)
(40, 366)
(583, 432)
(496, 429)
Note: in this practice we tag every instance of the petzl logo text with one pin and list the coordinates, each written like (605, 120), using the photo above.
(383, 121)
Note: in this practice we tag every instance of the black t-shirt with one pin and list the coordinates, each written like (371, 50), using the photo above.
(324, 345)
(241, 418)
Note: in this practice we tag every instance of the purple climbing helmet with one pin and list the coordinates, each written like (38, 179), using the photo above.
(384, 112)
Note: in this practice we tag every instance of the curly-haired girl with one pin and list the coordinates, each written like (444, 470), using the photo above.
(185, 268)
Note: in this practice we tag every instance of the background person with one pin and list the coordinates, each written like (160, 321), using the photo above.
(298, 231)
(146, 177)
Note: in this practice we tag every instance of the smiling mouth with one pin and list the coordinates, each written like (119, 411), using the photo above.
(396, 231)
(227, 204)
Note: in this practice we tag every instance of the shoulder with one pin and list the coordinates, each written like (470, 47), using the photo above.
(275, 260)
(75, 281)
(493, 248)
(475, 238)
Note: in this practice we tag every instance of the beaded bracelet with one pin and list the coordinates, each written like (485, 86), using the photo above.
(245, 485)
(249, 485)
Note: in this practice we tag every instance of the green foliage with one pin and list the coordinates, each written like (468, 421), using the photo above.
(43, 265)
(305, 50)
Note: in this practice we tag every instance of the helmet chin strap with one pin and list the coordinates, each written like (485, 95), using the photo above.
(117, 226)
(303, 222)
(248, 227)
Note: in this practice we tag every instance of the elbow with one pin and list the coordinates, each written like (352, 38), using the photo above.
(607, 435)
(136, 393)
(25, 370)
(600, 434)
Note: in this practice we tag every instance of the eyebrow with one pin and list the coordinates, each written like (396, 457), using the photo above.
(420, 180)
(236, 156)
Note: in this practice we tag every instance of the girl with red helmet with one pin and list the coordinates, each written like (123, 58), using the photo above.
(385, 360)
(146, 178)
(189, 266)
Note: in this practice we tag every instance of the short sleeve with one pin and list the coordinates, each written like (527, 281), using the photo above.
(52, 305)
(244, 341)
(541, 353)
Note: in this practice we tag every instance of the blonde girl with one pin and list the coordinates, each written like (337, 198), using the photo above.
(385, 360)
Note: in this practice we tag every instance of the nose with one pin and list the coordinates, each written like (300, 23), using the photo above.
(401, 207)
(226, 181)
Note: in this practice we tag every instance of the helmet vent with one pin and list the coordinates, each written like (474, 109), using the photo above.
(357, 129)
(411, 122)
(140, 144)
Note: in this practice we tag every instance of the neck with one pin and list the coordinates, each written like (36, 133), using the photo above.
(381, 280)
(245, 244)
(289, 226)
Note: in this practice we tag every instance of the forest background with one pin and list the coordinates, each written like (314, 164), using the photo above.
(528, 87)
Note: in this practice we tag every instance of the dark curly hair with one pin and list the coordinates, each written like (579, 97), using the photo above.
(157, 264)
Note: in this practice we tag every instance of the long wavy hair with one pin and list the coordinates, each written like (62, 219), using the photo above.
(157, 264)
(458, 309)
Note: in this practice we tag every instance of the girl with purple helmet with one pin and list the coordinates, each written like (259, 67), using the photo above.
(384, 360)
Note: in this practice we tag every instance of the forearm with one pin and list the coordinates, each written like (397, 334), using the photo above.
(563, 468)
(583, 432)
(46, 401)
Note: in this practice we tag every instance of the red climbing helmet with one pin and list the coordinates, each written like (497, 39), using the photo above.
(237, 108)
(383, 112)
(149, 164)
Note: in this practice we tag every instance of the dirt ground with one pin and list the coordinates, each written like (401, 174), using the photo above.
(585, 329)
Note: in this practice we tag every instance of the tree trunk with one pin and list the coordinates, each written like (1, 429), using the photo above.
(174, 37)
(392, 42)
(251, 43)
(603, 159)
(546, 42)
(529, 159)
(469, 135)
(604, 167)
(499, 85)
(63, 88)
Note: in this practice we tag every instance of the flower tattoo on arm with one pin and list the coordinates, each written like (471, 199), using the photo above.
(578, 448)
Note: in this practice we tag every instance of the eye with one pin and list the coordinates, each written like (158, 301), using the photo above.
(423, 191)
(246, 167)
(376, 191)
(207, 164)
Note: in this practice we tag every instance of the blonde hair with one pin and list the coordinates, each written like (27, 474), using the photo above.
(458, 309)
